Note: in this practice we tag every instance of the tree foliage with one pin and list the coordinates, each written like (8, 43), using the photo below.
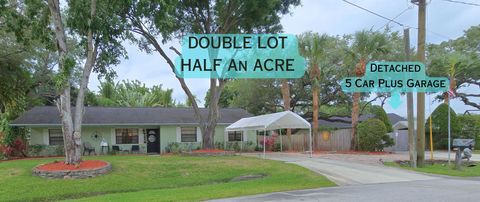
(463, 55)
(380, 114)
(440, 126)
(470, 127)
(133, 94)
(168, 19)
(372, 135)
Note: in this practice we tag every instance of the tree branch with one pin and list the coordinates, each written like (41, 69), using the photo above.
(142, 31)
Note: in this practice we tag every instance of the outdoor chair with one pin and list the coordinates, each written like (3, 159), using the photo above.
(116, 148)
(88, 148)
(135, 148)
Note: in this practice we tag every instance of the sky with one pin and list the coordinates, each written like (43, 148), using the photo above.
(445, 20)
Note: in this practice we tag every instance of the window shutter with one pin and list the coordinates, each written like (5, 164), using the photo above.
(245, 135)
(179, 134)
(199, 135)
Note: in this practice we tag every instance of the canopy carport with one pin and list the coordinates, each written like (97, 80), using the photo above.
(275, 121)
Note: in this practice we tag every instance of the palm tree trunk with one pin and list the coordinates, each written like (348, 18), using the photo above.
(315, 115)
(286, 107)
(355, 114)
(359, 72)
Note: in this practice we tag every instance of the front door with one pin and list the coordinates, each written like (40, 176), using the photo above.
(153, 141)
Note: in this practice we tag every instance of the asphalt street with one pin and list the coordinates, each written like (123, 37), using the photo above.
(363, 182)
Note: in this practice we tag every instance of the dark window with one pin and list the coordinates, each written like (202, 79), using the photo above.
(55, 136)
(189, 134)
(126, 136)
(234, 136)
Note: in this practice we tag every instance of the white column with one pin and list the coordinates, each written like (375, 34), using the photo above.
(281, 144)
(241, 142)
(225, 136)
(264, 139)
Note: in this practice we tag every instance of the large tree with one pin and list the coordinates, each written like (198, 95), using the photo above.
(98, 33)
(167, 19)
(458, 59)
(314, 48)
(366, 46)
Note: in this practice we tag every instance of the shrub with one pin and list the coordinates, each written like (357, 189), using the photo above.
(380, 113)
(276, 147)
(46, 150)
(440, 126)
(372, 135)
(173, 147)
(236, 146)
(470, 128)
(219, 145)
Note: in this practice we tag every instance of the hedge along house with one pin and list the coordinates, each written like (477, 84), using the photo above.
(151, 130)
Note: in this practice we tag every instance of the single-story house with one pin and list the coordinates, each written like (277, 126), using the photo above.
(150, 129)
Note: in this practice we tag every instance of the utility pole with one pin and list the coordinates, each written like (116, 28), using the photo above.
(411, 124)
(421, 95)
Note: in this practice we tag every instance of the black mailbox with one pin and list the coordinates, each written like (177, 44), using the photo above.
(463, 143)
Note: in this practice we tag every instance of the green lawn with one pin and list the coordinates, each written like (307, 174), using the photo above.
(443, 169)
(158, 178)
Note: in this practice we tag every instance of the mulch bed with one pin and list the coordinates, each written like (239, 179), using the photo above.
(61, 166)
(60, 170)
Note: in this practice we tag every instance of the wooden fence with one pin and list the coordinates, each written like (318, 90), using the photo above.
(337, 140)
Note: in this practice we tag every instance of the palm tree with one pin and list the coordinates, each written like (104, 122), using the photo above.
(286, 107)
(314, 48)
(366, 46)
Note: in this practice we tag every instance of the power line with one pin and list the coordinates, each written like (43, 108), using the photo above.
(462, 2)
(393, 20)
(401, 13)
(390, 20)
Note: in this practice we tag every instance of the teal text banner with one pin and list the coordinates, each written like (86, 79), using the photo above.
(395, 77)
(240, 56)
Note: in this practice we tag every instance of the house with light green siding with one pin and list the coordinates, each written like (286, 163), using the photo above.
(131, 129)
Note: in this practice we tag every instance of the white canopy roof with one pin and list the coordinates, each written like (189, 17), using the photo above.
(280, 120)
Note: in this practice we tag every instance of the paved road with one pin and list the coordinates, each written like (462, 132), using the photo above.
(364, 182)
(422, 190)
(348, 172)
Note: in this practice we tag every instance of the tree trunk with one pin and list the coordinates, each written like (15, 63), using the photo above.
(63, 103)
(359, 71)
(207, 126)
(286, 107)
(72, 125)
(355, 114)
(315, 116)
(80, 102)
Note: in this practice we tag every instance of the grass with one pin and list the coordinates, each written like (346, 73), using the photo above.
(157, 178)
(442, 169)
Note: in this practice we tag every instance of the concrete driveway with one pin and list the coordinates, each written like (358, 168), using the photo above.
(348, 172)
(365, 180)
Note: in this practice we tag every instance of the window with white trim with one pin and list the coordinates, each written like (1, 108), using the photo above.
(235, 136)
(126, 136)
(188, 134)
(55, 137)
